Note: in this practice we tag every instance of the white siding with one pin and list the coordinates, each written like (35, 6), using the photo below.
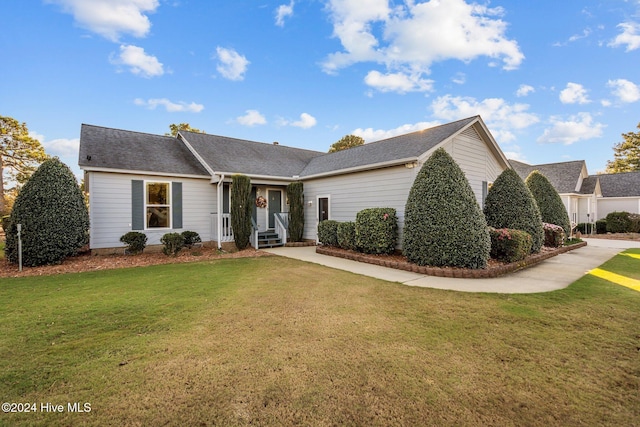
(349, 194)
(475, 159)
(110, 207)
(608, 205)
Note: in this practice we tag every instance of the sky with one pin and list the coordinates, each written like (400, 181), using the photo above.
(553, 80)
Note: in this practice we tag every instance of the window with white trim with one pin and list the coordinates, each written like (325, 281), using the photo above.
(157, 204)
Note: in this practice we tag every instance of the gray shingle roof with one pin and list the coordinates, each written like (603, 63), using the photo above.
(224, 154)
(102, 147)
(620, 184)
(563, 176)
(400, 147)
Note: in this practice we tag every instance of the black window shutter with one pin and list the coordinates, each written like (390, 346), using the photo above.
(176, 204)
(137, 205)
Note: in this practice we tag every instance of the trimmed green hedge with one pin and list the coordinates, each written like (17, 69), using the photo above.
(601, 226)
(296, 211)
(510, 245)
(346, 234)
(510, 204)
(54, 217)
(136, 242)
(552, 210)
(328, 232)
(377, 230)
(444, 225)
(190, 238)
(241, 210)
(173, 243)
(618, 222)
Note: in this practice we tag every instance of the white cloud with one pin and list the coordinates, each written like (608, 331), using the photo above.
(370, 134)
(574, 93)
(306, 121)
(284, 11)
(624, 90)
(577, 128)
(232, 65)
(524, 90)
(139, 62)
(251, 118)
(500, 116)
(62, 147)
(630, 36)
(171, 107)
(398, 82)
(111, 18)
(416, 35)
(459, 78)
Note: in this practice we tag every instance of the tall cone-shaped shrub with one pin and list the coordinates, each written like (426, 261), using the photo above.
(241, 210)
(296, 210)
(510, 204)
(53, 215)
(444, 225)
(552, 209)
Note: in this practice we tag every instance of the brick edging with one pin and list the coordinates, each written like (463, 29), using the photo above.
(465, 273)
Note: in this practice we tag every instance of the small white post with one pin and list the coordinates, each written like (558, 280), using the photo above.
(20, 246)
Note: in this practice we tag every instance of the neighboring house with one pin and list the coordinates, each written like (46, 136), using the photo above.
(588, 198)
(159, 184)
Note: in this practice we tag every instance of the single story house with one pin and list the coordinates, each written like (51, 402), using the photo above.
(158, 184)
(588, 198)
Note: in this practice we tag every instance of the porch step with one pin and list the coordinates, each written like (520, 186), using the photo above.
(269, 239)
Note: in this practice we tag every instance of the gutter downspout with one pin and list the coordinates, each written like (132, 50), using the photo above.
(220, 205)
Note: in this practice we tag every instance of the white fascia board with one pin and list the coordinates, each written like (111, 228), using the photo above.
(362, 168)
(141, 172)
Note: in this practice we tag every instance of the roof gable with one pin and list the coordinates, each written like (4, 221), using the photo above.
(106, 148)
(565, 177)
(399, 148)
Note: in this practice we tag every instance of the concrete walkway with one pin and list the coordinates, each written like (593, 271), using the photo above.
(552, 274)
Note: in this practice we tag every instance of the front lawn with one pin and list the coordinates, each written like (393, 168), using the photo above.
(275, 341)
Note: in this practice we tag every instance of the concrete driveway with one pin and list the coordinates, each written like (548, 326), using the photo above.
(552, 274)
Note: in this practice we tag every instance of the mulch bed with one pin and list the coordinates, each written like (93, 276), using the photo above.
(494, 269)
(87, 262)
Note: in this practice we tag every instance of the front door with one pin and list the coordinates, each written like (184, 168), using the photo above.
(323, 209)
(274, 206)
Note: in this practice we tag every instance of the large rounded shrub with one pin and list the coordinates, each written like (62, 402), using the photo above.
(444, 225)
(510, 204)
(54, 218)
(552, 209)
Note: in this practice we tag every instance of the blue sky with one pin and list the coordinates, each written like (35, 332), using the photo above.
(553, 80)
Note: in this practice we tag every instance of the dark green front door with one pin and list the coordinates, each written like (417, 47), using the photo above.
(274, 206)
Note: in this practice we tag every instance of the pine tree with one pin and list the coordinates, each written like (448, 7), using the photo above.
(626, 154)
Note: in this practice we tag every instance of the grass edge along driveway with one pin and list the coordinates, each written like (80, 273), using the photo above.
(283, 342)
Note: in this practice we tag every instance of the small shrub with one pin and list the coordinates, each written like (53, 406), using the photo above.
(136, 242)
(553, 235)
(347, 235)
(190, 238)
(618, 222)
(173, 243)
(583, 227)
(635, 223)
(328, 232)
(601, 226)
(377, 230)
(510, 245)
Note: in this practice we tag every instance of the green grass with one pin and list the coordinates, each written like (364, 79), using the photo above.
(274, 341)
